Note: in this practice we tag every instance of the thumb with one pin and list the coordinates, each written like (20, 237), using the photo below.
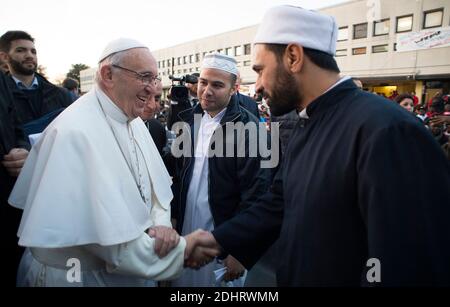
(152, 233)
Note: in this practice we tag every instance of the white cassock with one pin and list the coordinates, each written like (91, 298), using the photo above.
(198, 213)
(90, 188)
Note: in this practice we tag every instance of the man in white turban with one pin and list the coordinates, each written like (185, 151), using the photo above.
(95, 183)
(342, 204)
(213, 185)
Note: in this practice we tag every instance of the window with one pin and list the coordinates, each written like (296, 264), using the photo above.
(433, 19)
(395, 46)
(159, 64)
(360, 31)
(238, 50)
(247, 63)
(229, 51)
(190, 69)
(205, 53)
(185, 59)
(380, 48)
(341, 52)
(343, 34)
(191, 58)
(247, 49)
(163, 64)
(168, 63)
(179, 61)
(381, 27)
(404, 23)
(359, 51)
(197, 57)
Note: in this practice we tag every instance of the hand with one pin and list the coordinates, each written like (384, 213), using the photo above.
(201, 248)
(234, 268)
(14, 161)
(439, 120)
(166, 239)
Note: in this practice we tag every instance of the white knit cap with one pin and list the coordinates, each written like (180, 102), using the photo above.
(119, 45)
(294, 25)
(221, 62)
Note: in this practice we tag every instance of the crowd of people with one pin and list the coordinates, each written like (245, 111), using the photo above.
(102, 184)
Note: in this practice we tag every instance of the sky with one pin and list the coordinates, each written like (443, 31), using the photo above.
(68, 32)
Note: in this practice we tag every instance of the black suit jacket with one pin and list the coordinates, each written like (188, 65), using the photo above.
(158, 133)
(248, 103)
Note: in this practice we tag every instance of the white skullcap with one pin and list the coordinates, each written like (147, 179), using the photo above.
(221, 62)
(119, 45)
(294, 25)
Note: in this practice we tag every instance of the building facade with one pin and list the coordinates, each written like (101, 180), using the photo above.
(370, 32)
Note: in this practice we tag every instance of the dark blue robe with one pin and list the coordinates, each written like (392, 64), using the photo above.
(362, 179)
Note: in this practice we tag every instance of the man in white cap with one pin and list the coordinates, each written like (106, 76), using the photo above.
(95, 183)
(213, 188)
(343, 201)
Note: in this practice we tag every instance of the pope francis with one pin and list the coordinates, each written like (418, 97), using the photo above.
(95, 182)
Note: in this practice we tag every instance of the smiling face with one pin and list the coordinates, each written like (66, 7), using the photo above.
(22, 57)
(128, 91)
(153, 104)
(215, 88)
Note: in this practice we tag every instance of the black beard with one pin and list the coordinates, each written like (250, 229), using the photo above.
(18, 68)
(285, 95)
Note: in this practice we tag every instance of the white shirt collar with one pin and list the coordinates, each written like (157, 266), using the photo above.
(111, 109)
(34, 85)
(216, 118)
(304, 115)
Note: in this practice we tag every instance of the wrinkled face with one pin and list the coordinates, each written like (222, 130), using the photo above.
(153, 104)
(277, 85)
(214, 90)
(22, 57)
(407, 104)
(130, 93)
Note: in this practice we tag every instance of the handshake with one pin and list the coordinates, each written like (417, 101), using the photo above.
(201, 247)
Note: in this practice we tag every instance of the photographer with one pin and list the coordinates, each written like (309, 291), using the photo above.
(183, 96)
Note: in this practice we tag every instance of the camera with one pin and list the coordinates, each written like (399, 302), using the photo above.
(179, 95)
(179, 92)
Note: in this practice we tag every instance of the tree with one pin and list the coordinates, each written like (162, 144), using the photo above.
(74, 73)
(42, 70)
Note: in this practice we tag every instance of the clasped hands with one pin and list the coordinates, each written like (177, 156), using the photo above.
(201, 247)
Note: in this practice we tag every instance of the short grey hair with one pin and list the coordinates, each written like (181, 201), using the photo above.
(113, 59)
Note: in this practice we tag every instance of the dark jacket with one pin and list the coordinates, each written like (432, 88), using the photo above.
(53, 98)
(158, 134)
(11, 136)
(233, 182)
(287, 124)
(248, 103)
(345, 195)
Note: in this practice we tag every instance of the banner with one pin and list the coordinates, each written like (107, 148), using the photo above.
(426, 39)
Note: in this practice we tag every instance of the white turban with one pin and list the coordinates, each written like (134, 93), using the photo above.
(221, 62)
(294, 25)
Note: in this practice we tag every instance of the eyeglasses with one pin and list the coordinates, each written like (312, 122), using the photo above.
(146, 79)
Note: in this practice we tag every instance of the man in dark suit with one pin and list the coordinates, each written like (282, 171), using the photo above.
(13, 152)
(247, 102)
(154, 126)
(34, 97)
